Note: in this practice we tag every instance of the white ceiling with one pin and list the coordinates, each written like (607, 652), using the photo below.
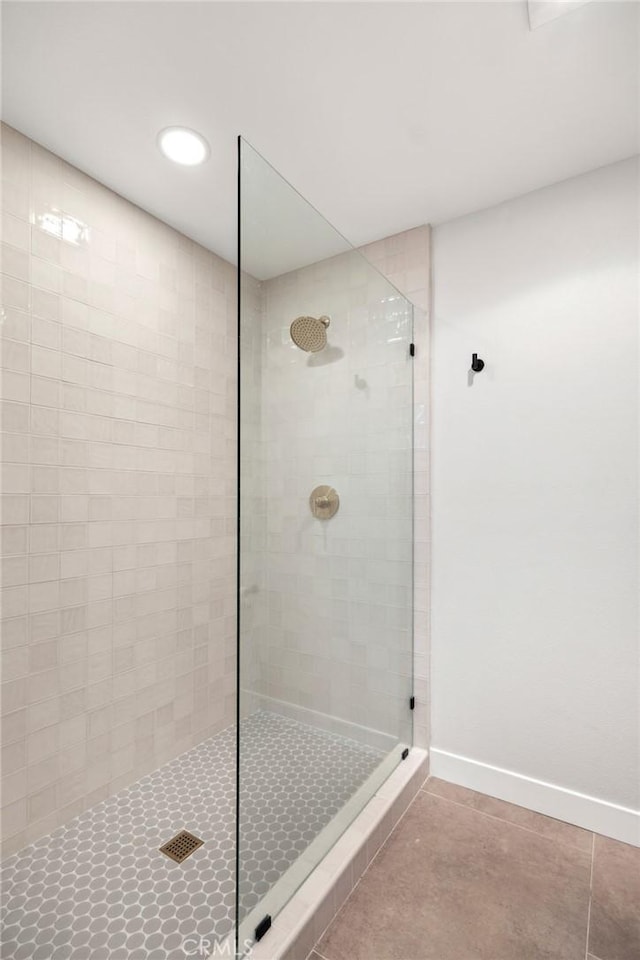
(384, 115)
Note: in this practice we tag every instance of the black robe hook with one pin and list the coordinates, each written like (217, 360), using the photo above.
(476, 364)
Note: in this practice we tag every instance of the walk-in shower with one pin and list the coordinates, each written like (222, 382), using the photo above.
(183, 749)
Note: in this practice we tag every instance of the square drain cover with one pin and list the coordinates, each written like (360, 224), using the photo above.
(181, 846)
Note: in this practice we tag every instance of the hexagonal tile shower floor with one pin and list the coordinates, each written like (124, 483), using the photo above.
(100, 888)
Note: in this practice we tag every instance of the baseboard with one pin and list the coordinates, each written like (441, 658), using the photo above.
(609, 819)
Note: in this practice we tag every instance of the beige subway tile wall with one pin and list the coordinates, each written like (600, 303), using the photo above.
(118, 487)
(405, 259)
(334, 600)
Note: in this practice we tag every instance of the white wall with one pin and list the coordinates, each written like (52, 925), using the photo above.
(535, 499)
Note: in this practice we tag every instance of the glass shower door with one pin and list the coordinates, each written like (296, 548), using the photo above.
(326, 538)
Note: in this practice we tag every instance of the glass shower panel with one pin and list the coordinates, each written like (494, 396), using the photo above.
(326, 537)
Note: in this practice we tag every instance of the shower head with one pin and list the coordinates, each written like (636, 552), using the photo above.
(310, 333)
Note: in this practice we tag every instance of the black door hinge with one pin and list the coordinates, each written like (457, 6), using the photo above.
(262, 927)
(412, 703)
(405, 753)
(412, 349)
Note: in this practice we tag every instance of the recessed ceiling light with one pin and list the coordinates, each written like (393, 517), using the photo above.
(183, 146)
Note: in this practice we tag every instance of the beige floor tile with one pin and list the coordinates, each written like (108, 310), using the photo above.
(451, 884)
(545, 826)
(614, 931)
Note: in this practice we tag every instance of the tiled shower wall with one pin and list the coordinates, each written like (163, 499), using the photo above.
(335, 597)
(118, 486)
(405, 259)
(253, 531)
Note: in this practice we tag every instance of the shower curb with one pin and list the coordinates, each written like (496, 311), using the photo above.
(301, 923)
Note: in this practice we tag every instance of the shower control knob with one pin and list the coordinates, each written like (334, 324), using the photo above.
(324, 502)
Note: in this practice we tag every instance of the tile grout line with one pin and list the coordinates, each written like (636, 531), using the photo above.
(593, 855)
(492, 816)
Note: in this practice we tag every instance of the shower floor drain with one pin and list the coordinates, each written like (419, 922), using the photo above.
(181, 846)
